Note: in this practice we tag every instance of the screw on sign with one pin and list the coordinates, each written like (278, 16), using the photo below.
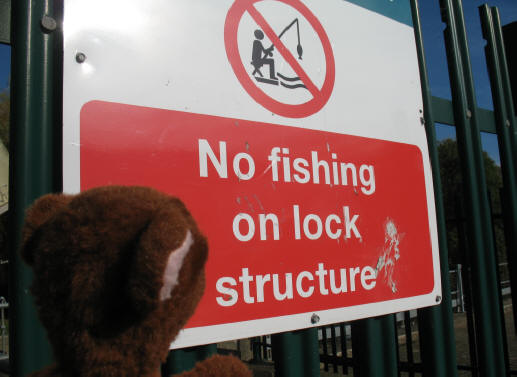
(263, 61)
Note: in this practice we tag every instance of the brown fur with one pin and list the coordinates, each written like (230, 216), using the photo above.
(98, 260)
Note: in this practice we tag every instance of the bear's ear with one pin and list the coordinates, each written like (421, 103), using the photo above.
(38, 214)
(174, 264)
(169, 247)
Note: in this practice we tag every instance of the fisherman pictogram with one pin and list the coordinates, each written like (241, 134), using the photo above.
(276, 60)
(262, 56)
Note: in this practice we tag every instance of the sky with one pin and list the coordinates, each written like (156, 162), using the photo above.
(432, 29)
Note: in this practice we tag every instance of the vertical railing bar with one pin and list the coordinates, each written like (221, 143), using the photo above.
(184, 359)
(461, 295)
(504, 214)
(374, 348)
(334, 348)
(296, 354)
(469, 143)
(503, 108)
(507, 86)
(35, 167)
(3, 328)
(436, 326)
(418, 361)
(409, 343)
(490, 252)
(325, 348)
(397, 345)
(467, 273)
(507, 236)
(256, 348)
(344, 352)
(499, 291)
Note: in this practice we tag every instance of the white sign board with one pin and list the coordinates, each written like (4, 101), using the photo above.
(292, 131)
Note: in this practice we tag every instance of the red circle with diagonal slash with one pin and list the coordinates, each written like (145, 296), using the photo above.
(320, 96)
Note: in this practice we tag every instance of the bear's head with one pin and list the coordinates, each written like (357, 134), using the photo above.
(117, 273)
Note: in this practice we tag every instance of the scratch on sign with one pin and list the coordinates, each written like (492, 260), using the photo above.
(390, 254)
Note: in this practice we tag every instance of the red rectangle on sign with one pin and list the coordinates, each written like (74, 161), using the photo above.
(297, 220)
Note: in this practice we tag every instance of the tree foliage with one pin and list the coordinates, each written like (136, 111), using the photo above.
(453, 193)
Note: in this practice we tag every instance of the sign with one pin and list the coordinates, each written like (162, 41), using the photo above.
(319, 95)
(297, 147)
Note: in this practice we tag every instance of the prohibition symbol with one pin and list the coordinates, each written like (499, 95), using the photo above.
(262, 62)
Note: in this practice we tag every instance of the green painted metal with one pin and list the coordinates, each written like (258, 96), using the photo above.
(296, 354)
(396, 10)
(503, 107)
(184, 359)
(511, 100)
(35, 167)
(486, 120)
(5, 21)
(485, 291)
(509, 33)
(505, 74)
(436, 325)
(443, 112)
(35, 140)
(374, 347)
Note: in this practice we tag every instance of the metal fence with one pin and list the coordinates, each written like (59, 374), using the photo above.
(4, 334)
(427, 342)
(335, 342)
(473, 339)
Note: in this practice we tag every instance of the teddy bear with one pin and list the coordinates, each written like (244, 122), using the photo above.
(118, 271)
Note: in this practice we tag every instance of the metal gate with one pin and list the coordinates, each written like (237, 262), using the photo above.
(412, 343)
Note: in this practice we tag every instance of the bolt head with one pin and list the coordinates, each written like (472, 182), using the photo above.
(315, 318)
(48, 24)
(80, 57)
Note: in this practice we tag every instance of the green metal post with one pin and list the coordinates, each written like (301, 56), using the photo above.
(35, 166)
(484, 283)
(184, 359)
(296, 354)
(507, 86)
(436, 325)
(374, 347)
(505, 122)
